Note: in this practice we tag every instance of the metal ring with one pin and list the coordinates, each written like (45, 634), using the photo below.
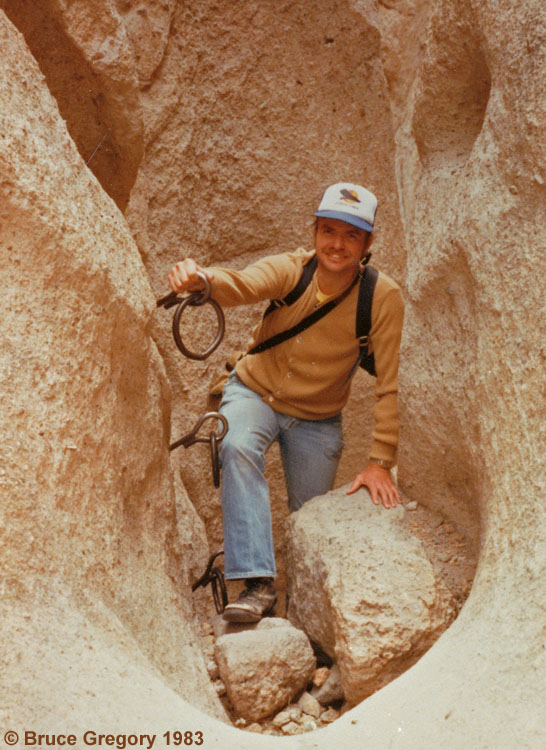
(191, 438)
(196, 300)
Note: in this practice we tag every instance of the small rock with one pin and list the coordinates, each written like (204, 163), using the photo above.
(320, 677)
(309, 705)
(412, 505)
(240, 722)
(290, 728)
(255, 727)
(281, 719)
(292, 713)
(332, 689)
(330, 715)
(220, 687)
(308, 726)
(212, 669)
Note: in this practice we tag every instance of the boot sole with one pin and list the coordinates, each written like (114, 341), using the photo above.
(238, 614)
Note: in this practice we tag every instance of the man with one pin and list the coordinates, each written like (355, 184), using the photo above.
(294, 392)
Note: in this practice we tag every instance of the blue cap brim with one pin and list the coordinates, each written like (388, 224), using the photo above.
(356, 221)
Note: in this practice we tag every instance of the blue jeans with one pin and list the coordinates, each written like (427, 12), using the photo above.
(310, 452)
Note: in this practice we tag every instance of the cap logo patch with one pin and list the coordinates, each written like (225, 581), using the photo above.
(349, 196)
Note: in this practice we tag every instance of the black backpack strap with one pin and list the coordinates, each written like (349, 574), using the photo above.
(364, 317)
(303, 324)
(304, 281)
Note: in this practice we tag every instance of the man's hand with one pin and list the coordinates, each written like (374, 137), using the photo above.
(184, 278)
(379, 483)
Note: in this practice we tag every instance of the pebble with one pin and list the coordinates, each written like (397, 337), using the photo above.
(321, 675)
(309, 705)
(212, 669)
(281, 719)
(330, 715)
(255, 727)
(292, 713)
(220, 687)
(290, 728)
(309, 725)
(412, 505)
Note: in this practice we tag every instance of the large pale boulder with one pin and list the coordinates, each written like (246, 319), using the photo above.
(91, 558)
(362, 587)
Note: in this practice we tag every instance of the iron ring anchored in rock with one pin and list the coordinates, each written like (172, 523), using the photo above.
(195, 299)
(213, 438)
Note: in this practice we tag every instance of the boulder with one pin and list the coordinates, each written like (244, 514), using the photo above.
(265, 667)
(363, 589)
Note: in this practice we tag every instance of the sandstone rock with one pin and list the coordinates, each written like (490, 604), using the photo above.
(255, 727)
(332, 690)
(224, 627)
(462, 162)
(89, 64)
(292, 713)
(212, 669)
(309, 705)
(309, 725)
(290, 728)
(265, 667)
(91, 553)
(329, 715)
(320, 676)
(363, 589)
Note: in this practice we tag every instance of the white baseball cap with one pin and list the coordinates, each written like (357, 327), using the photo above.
(351, 203)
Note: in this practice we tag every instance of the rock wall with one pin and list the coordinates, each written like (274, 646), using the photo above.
(91, 551)
(219, 116)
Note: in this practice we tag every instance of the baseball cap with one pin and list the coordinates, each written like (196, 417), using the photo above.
(351, 203)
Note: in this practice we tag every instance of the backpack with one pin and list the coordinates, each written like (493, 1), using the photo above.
(367, 278)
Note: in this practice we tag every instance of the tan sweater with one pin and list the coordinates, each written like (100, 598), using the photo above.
(308, 375)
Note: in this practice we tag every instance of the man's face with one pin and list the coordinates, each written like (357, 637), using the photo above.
(340, 246)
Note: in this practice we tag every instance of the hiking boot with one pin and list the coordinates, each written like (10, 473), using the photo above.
(256, 600)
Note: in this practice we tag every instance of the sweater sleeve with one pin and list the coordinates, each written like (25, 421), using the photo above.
(272, 277)
(385, 336)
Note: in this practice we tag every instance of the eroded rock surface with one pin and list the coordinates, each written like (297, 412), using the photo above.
(460, 174)
(91, 558)
(363, 589)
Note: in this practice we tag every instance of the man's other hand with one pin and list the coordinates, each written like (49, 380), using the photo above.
(184, 278)
(380, 485)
